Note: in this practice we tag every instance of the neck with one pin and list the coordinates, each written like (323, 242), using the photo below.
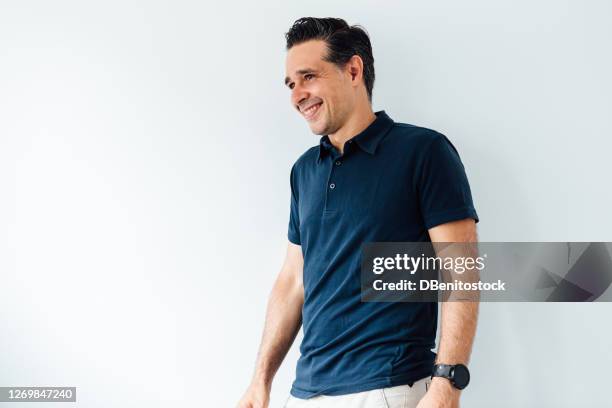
(358, 121)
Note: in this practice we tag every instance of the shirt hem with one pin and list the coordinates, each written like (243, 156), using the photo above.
(369, 385)
(452, 215)
(293, 239)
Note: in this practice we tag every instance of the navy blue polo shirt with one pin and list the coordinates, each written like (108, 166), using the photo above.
(393, 182)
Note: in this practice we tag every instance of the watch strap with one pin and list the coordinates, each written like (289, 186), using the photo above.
(443, 370)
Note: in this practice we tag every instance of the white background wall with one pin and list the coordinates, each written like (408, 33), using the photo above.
(144, 156)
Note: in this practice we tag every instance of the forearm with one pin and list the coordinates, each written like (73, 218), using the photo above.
(459, 308)
(458, 327)
(283, 320)
(459, 314)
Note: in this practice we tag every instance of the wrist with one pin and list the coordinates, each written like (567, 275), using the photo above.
(260, 381)
(443, 386)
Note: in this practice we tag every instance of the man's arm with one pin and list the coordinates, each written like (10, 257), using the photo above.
(283, 321)
(458, 323)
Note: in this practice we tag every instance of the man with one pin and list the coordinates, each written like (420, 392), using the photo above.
(369, 180)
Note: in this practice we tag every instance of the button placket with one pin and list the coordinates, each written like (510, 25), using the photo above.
(332, 185)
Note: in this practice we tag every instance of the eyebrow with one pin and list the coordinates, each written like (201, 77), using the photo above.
(300, 72)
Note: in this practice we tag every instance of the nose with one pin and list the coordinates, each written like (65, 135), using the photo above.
(298, 95)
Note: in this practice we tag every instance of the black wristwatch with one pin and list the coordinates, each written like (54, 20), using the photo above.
(457, 374)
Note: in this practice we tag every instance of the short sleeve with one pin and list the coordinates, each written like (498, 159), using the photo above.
(442, 185)
(294, 218)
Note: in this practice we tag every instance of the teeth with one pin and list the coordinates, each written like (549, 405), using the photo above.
(311, 109)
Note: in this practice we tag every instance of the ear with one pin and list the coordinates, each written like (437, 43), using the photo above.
(355, 68)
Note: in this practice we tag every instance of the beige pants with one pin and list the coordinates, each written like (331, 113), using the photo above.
(402, 396)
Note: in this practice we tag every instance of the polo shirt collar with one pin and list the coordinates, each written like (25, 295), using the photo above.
(368, 139)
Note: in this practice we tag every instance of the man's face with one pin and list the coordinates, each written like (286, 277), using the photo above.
(320, 90)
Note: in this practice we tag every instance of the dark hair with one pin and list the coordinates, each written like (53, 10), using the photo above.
(343, 41)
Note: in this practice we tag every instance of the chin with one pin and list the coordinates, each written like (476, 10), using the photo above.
(318, 129)
(318, 132)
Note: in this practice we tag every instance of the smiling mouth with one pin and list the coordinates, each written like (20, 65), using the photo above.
(312, 111)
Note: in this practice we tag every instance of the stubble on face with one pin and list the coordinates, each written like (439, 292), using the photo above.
(325, 87)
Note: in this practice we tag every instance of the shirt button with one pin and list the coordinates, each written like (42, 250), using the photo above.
(332, 186)
(338, 162)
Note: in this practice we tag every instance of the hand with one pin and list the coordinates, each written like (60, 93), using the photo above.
(256, 396)
(441, 394)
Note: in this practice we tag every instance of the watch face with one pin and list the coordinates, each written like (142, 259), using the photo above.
(461, 376)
